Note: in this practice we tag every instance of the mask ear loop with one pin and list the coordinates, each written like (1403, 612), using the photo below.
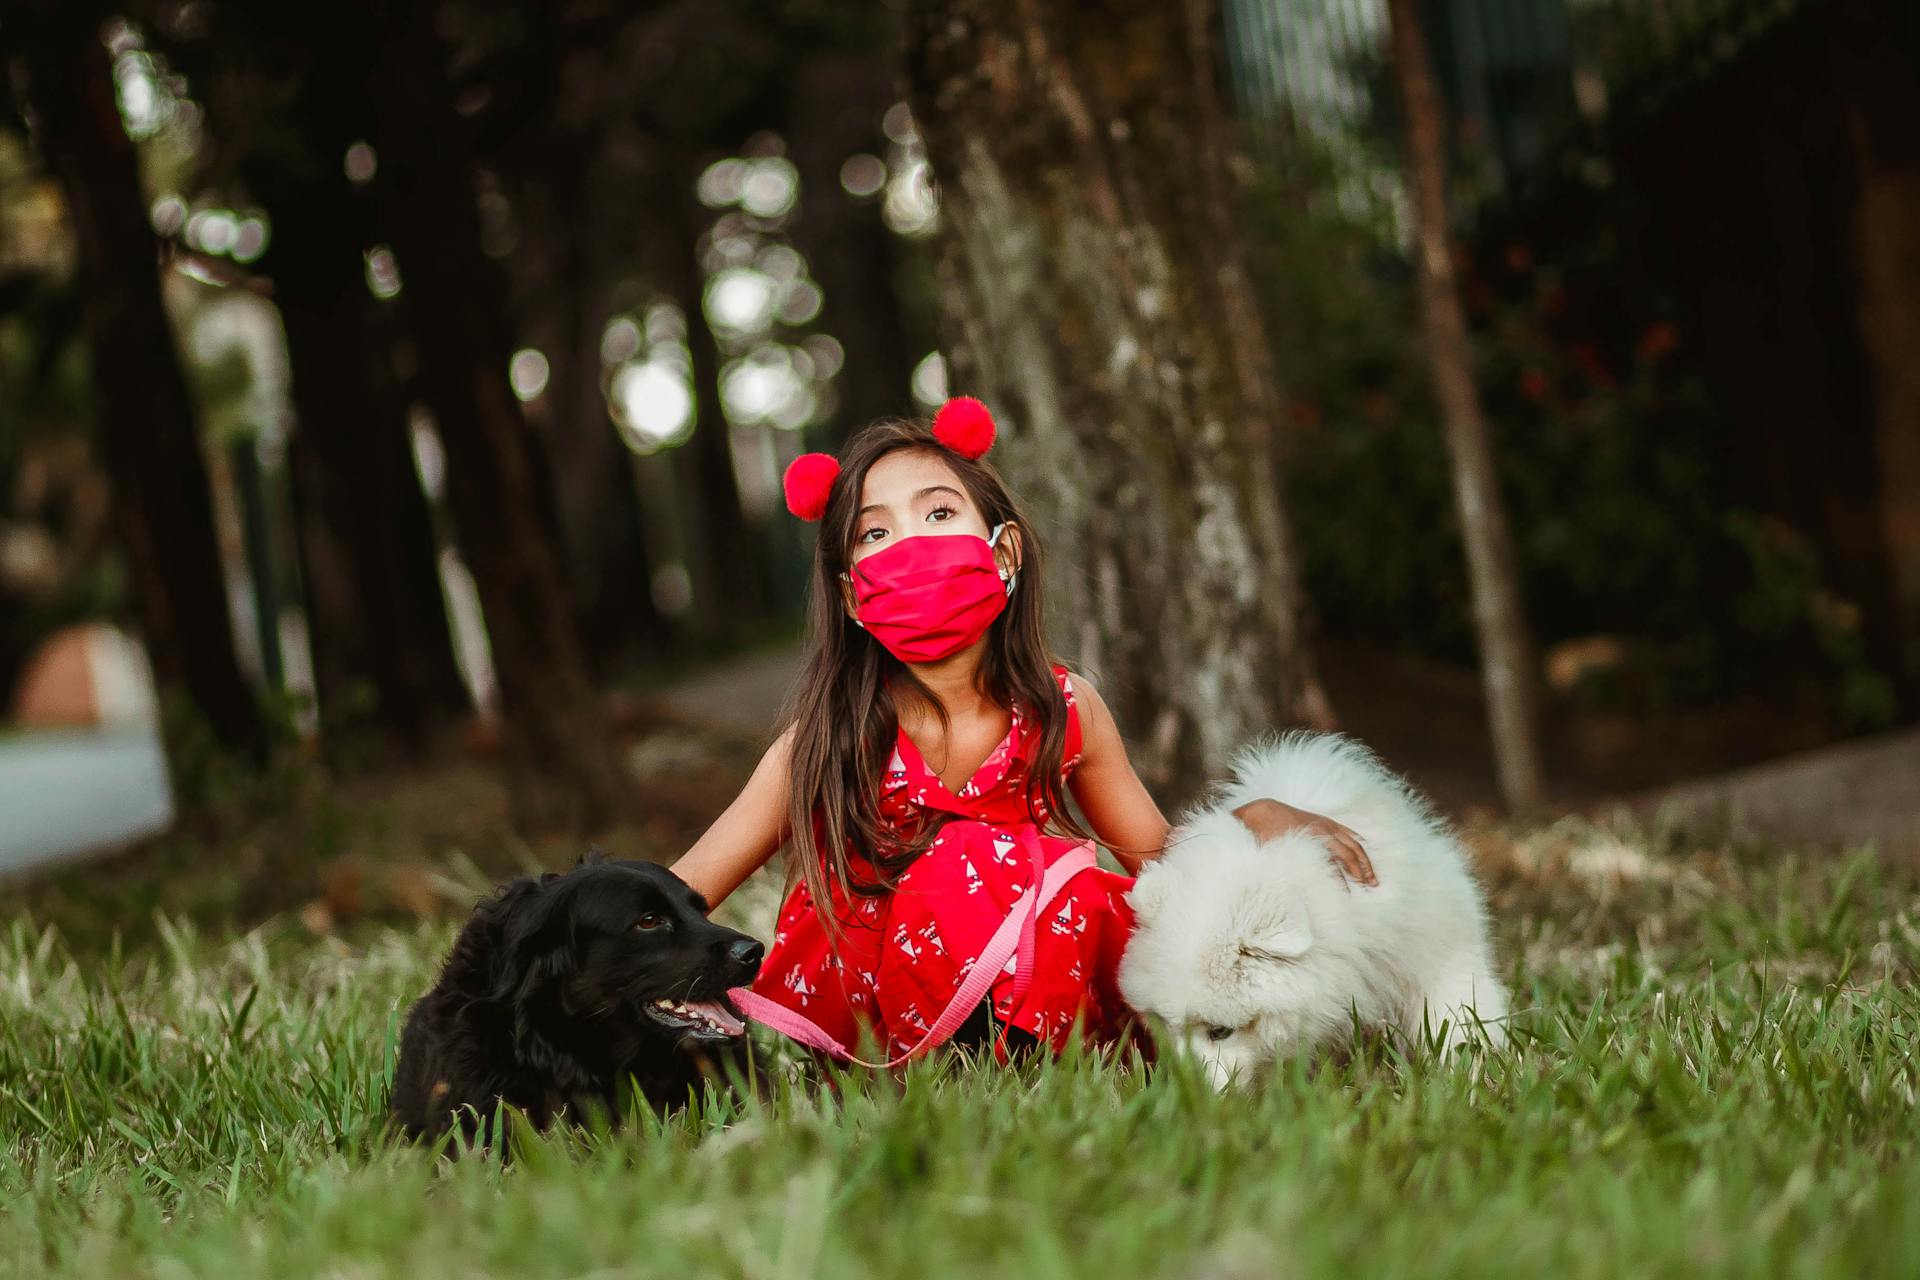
(1008, 576)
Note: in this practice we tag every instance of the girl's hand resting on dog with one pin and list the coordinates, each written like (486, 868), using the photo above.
(1270, 819)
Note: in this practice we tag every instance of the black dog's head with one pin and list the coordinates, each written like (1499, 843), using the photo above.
(626, 944)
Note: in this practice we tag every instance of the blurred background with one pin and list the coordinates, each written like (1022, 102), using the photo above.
(394, 394)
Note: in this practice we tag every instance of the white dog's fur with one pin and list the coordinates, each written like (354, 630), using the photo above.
(1253, 952)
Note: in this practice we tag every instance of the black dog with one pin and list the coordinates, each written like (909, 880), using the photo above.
(563, 992)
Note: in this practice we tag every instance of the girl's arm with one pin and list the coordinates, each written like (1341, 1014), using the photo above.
(1125, 819)
(742, 839)
(1110, 794)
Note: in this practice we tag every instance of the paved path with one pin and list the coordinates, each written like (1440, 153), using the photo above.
(744, 694)
(66, 792)
(1850, 794)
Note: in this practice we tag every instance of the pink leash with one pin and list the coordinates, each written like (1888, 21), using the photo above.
(1014, 936)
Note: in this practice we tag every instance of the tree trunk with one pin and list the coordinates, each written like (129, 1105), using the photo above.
(725, 561)
(146, 421)
(560, 762)
(374, 604)
(1506, 651)
(573, 236)
(837, 105)
(1097, 299)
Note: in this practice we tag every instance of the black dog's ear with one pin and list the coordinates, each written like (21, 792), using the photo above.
(536, 951)
(534, 938)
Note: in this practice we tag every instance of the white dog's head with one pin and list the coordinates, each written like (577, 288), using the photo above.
(1221, 945)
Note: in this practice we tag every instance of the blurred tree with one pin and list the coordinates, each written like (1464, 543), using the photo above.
(285, 105)
(146, 423)
(566, 269)
(560, 760)
(841, 93)
(598, 123)
(550, 83)
(1096, 296)
(1506, 647)
(728, 569)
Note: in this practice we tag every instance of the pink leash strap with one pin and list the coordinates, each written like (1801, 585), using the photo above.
(1015, 935)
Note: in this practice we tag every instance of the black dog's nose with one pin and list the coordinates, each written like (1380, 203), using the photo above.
(746, 953)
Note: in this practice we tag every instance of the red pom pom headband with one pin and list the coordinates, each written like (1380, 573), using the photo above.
(962, 425)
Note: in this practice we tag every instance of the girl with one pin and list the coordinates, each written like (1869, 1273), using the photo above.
(922, 778)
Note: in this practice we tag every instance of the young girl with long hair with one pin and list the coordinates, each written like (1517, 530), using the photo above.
(943, 886)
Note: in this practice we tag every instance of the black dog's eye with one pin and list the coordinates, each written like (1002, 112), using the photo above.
(1219, 1033)
(649, 922)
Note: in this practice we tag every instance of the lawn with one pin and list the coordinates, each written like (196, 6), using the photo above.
(1716, 1073)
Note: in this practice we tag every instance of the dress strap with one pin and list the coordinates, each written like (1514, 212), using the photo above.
(1070, 749)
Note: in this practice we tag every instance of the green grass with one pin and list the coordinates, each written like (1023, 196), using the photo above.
(1717, 1075)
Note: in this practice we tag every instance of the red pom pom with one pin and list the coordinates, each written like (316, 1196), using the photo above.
(964, 426)
(808, 483)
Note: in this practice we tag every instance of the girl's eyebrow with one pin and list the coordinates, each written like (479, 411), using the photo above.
(918, 494)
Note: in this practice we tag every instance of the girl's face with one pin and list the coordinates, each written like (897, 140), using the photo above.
(910, 493)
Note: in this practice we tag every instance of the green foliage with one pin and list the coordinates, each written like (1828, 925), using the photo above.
(1716, 1073)
(1610, 450)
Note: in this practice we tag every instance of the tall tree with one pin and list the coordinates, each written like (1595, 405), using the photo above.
(1506, 648)
(839, 98)
(1096, 297)
(557, 82)
(575, 212)
(284, 101)
(727, 560)
(560, 760)
(146, 421)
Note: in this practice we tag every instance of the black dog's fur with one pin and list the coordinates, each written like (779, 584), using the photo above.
(543, 1002)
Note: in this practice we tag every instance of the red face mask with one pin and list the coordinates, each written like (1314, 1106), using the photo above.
(928, 597)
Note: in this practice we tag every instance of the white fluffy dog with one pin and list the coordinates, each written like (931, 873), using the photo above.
(1253, 952)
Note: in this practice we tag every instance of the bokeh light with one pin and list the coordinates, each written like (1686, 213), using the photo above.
(719, 184)
(528, 372)
(863, 175)
(826, 352)
(741, 300)
(769, 386)
(898, 124)
(910, 207)
(652, 404)
(169, 215)
(929, 381)
(211, 230)
(429, 456)
(361, 163)
(383, 272)
(620, 340)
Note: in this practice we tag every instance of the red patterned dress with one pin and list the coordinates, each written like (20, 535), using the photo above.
(900, 957)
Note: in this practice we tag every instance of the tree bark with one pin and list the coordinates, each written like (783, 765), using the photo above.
(560, 762)
(838, 101)
(146, 421)
(576, 234)
(1506, 649)
(374, 603)
(1097, 298)
(726, 562)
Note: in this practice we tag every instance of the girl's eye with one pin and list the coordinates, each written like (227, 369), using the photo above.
(871, 535)
(649, 922)
(1219, 1033)
(939, 514)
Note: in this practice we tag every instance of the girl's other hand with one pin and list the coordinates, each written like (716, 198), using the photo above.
(1270, 819)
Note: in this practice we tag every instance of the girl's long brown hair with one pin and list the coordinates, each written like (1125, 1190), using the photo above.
(845, 709)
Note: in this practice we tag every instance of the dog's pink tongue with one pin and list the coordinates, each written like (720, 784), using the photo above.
(720, 1015)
